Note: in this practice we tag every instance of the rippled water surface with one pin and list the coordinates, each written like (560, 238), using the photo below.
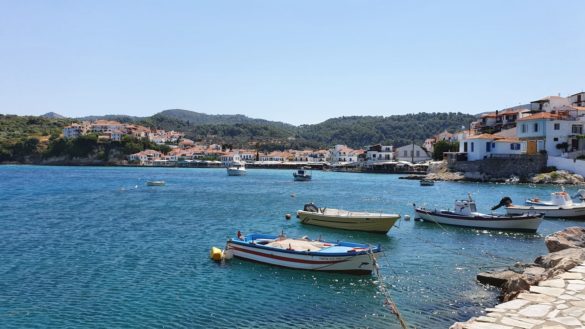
(96, 248)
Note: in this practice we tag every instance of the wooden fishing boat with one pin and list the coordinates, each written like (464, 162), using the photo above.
(303, 253)
(465, 214)
(347, 220)
(302, 175)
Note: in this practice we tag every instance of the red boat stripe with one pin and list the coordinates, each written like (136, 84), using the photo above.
(287, 259)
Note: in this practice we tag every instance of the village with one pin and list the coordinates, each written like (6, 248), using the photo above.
(550, 127)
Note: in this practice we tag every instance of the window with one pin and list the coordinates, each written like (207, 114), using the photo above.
(515, 146)
(417, 154)
(472, 146)
(557, 126)
(577, 129)
(536, 127)
(405, 153)
(524, 128)
(556, 139)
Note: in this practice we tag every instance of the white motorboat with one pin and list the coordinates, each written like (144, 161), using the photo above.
(155, 183)
(562, 194)
(560, 206)
(347, 220)
(303, 253)
(465, 214)
(236, 169)
(302, 175)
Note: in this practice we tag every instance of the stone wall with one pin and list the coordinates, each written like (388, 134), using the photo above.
(523, 167)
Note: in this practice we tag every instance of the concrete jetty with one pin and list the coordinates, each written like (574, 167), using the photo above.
(556, 303)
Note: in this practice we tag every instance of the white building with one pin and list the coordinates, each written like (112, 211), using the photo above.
(146, 156)
(344, 154)
(377, 153)
(412, 153)
(230, 158)
(484, 146)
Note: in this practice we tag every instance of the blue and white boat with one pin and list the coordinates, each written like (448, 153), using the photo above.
(303, 253)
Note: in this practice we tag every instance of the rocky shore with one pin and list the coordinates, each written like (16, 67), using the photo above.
(439, 171)
(554, 282)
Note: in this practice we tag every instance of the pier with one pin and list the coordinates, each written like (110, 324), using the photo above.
(555, 303)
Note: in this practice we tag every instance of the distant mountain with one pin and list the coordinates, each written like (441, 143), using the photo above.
(52, 115)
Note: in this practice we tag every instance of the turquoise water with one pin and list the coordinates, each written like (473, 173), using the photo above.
(96, 248)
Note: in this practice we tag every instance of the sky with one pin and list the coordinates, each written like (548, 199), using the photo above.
(297, 61)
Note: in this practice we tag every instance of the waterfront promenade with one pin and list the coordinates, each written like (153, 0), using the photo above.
(556, 303)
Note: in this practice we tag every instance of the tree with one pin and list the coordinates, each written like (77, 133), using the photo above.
(441, 147)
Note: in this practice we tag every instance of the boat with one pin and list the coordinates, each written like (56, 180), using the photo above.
(236, 169)
(465, 214)
(346, 220)
(303, 253)
(427, 182)
(302, 175)
(554, 196)
(560, 206)
(155, 183)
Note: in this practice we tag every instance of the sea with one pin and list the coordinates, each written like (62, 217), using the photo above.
(94, 247)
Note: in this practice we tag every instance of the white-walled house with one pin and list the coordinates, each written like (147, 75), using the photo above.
(379, 152)
(229, 158)
(549, 103)
(146, 156)
(344, 154)
(412, 153)
(532, 129)
(484, 146)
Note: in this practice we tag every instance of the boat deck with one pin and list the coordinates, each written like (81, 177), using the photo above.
(308, 245)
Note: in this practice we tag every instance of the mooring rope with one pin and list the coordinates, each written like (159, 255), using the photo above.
(382, 286)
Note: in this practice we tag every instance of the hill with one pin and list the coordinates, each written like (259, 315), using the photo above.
(355, 131)
(52, 115)
(397, 130)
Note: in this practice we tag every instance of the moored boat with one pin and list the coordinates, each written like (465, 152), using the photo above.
(465, 214)
(236, 169)
(560, 206)
(427, 182)
(155, 183)
(303, 253)
(302, 175)
(347, 220)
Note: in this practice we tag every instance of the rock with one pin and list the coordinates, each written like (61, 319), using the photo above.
(514, 286)
(497, 279)
(562, 260)
(557, 177)
(572, 237)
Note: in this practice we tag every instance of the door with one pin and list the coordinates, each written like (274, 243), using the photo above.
(531, 147)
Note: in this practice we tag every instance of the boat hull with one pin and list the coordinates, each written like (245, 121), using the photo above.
(521, 223)
(155, 183)
(300, 178)
(577, 212)
(353, 264)
(236, 172)
(371, 223)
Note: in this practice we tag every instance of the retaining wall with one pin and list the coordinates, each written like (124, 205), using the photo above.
(521, 166)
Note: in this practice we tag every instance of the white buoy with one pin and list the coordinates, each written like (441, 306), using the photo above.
(406, 217)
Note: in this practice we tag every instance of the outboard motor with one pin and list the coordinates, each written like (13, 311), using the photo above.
(505, 202)
(310, 207)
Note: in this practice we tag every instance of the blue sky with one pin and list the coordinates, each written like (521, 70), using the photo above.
(292, 61)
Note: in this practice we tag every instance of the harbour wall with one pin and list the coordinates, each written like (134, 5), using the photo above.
(571, 165)
(521, 166)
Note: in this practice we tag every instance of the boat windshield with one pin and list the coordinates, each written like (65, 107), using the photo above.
(472, 207)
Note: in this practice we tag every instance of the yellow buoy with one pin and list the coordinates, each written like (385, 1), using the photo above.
(216, 254)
